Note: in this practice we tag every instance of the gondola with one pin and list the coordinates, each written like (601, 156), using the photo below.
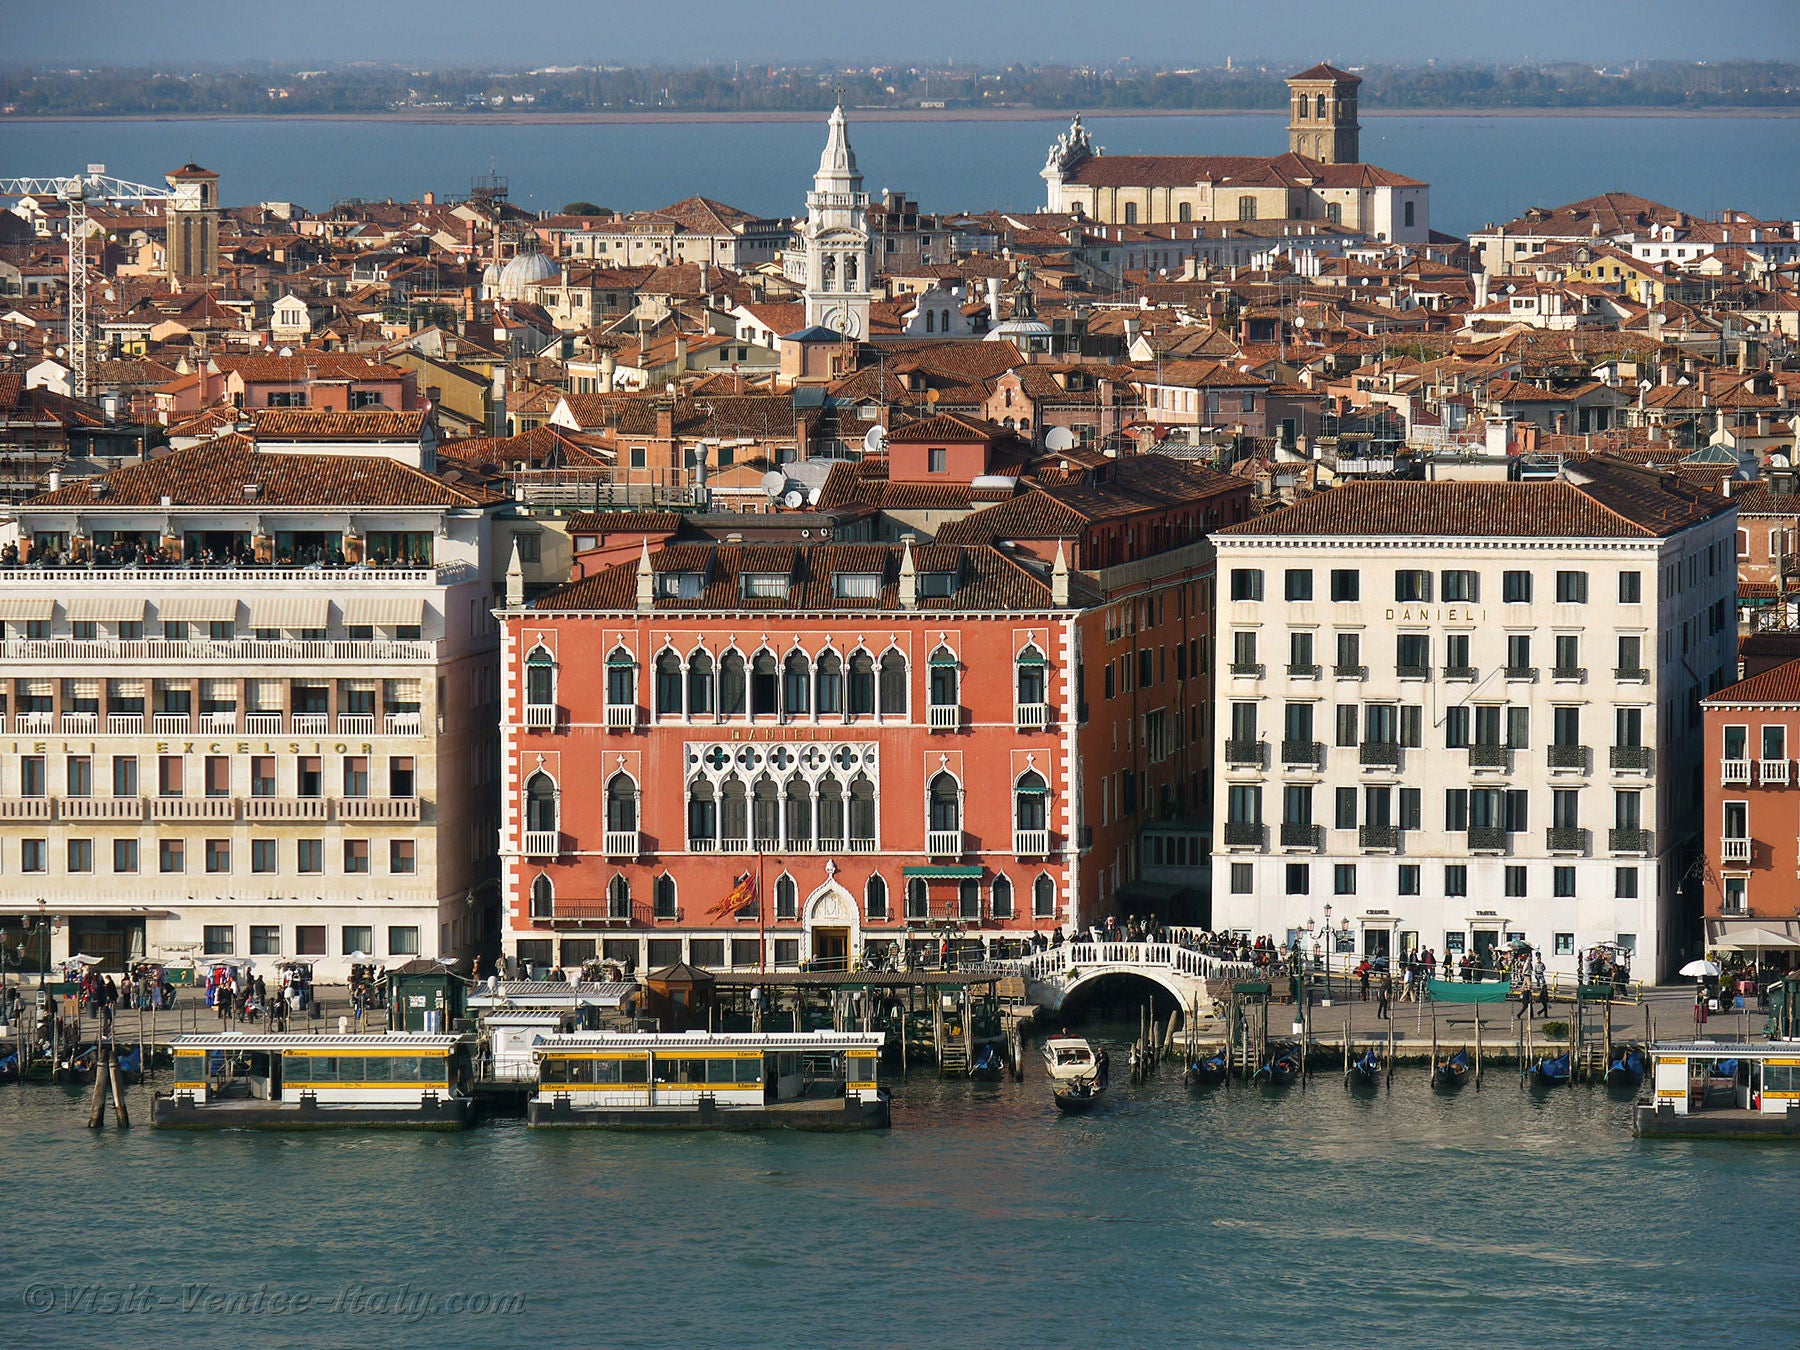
(1453, 1072)
(1552, 1072)
(1284, 1067)
(1077, 1095)
(1204, 1072)
(131, 1064)
(1627, 1067)
(79, 1068)
(989, 1067)
(1368, 1069)
(9, 1067)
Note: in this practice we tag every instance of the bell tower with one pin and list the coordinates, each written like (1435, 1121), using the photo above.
(1322, 121)
(837, 238)
(192, 236)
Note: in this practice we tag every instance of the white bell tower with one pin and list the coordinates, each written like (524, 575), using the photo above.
(837, 238)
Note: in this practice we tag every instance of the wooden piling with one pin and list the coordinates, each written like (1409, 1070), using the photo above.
(1477, 1008)
(97, 1116)
(1390, 1057)
(118, 1086)
(1434, 1043)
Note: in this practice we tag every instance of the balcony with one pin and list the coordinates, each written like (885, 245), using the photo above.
(708, 845)
(310, 724)
(1631, 674)
(1243, 754)
(1343, 672)
(541, 716)
(170, 724)
(1302, 836)
(1413, 672)
(378, 808)
(34, 723)
(284, 808)
(1303, 671)
(1248, 670)
(1378, 839)
(621, 843)
(1566, 839)
(542, 843)
(1630, 840)
(81, 723)
(356, 724)
(944, 716)
(855, 845)
(68, 651)
(1487, 839)
(1379, 755)
(101, 808)
(1303, 754)
(1769, 772)
(1633, 758)
(1244, 834)
(1568, 674)
(766, 844)
(403, 724)
(1734, 772)
(219, 723)
(944, 843)
(1031, 843)
(1030, 716)
(1526, 674)
(1734, 850)
(621, 717)
(125, 724)
(24, 808)
(1565, 758)
(1460, 673)
(193, 808)
(734, 845)
(263, 723)
(1489, 757)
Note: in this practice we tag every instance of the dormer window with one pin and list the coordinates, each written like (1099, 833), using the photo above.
(937, 583)
(765, 585)
(680, 585)
(857, 585)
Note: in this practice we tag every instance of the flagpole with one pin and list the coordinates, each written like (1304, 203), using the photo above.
(762, 921)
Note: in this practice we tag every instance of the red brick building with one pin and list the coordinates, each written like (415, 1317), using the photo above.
(1752, 829)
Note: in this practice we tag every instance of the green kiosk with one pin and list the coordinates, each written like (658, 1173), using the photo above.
(426, 996)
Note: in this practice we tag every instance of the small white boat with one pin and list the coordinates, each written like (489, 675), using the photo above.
(1069, 1058)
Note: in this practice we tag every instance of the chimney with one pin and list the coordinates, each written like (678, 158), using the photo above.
(609, 371)
(993, 300)
(681, 354)
(1059, 578)
(430, 199)
(515, 578)
(1725, 485)
(909, 578)
(646, 582)
(665, 420)
(55, 479)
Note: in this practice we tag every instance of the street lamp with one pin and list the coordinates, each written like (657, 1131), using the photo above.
(1328, 951)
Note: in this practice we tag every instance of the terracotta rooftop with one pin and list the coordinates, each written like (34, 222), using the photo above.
(1780, 685)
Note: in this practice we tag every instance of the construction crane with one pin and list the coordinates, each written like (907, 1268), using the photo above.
(75, 193)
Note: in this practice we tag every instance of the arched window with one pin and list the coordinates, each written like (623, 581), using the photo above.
(1030, 682)
(918, 901)
(875, 897)
(798, 812)
(946, 803)
(703, 814)
(621, 803)
(944, 320)
(850, 270)
(764, 685)
(1029, 796)
(1319, 106)
(862, 812)
(1043, 898)
(1131, 213)
(700, 683)
(621, 679)
(618, 898)
(830, 825)
(1406, 210)
(787, 898)
(540, 678)
(968, 900)
(1002, 898)
(543, 898)
(734, 813)
(943, 682)
(931, 321)
(668, 685)
(765, 814)
(732, 684)
(829, 679)
(540, 803)
(893, 685)
(663, 897)
(796, 684)
(862, 684)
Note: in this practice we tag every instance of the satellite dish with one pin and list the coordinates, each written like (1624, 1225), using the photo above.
(1059, 439)
(875, 440)
(793, 499)
(773, 482)
(1778, 461)
(931, 397)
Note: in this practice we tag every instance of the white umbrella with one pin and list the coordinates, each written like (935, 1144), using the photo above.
(1750, 939)
(1699, 968)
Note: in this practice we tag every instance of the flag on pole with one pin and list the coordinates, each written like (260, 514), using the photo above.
(739, 898)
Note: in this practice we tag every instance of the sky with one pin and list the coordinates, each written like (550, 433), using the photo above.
(514, 33)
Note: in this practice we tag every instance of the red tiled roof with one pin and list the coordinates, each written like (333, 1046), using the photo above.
(1780, 685)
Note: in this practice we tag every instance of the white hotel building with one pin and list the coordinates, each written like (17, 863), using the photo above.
(1453, 714)
(282, 746)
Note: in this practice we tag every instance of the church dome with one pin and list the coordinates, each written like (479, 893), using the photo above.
(527, 269)
(490, 281)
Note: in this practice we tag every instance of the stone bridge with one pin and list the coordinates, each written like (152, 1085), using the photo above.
(1051, 976)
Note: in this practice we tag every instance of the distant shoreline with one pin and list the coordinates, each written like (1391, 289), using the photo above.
(651, 118)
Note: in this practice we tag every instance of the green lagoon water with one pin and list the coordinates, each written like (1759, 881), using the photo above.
(1249, 1217)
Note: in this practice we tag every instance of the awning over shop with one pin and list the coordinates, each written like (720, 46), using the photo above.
(944, 871)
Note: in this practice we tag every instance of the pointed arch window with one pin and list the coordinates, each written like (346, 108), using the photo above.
(796, 684)
(543, 898)
(663, 898)
(733, 682)
(540, 803)
(893, 685)
(700, 683)
(1029, 683)
(1043, 898)
(829, 684)
(918, 900)
(862, 684)
(703, 815)
(765, 685)
(1030, 795)
(668, 685)
(540, 679)
(945, 803)
(875, 897)
(618, 898)
(621, 679)
(968, 900)
(1001, 900)
(787, 898)
(621, 803)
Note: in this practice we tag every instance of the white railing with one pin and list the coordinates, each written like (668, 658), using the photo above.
(1053, 966)
(1768, 771)
(193, 808)
(80, 723)
(540, 716)
(263, 723)
(101, 808)
(1734, 771)
(310, 724)
(24, 808)
(201, 649)
(855, 845)
(403, 724)
(945, 716)
(621, 843)
(179, 574)
(1031, 843)
(1031, 716)
(541, 843)
(356, 724)
(378, 808)
(703, 846)
(220, 723)
(944, 843)
(124, 724)
(734, 845)
(169, 724)
(621, 716)
(1734, 850)
(33, 722)
(284, 808)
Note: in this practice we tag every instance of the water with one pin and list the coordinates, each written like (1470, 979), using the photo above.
(1257, 1217)
(1480, 168)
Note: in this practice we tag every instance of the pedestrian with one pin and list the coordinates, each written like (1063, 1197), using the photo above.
(1385, 998)
(224, 1001)
(1362, 978)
